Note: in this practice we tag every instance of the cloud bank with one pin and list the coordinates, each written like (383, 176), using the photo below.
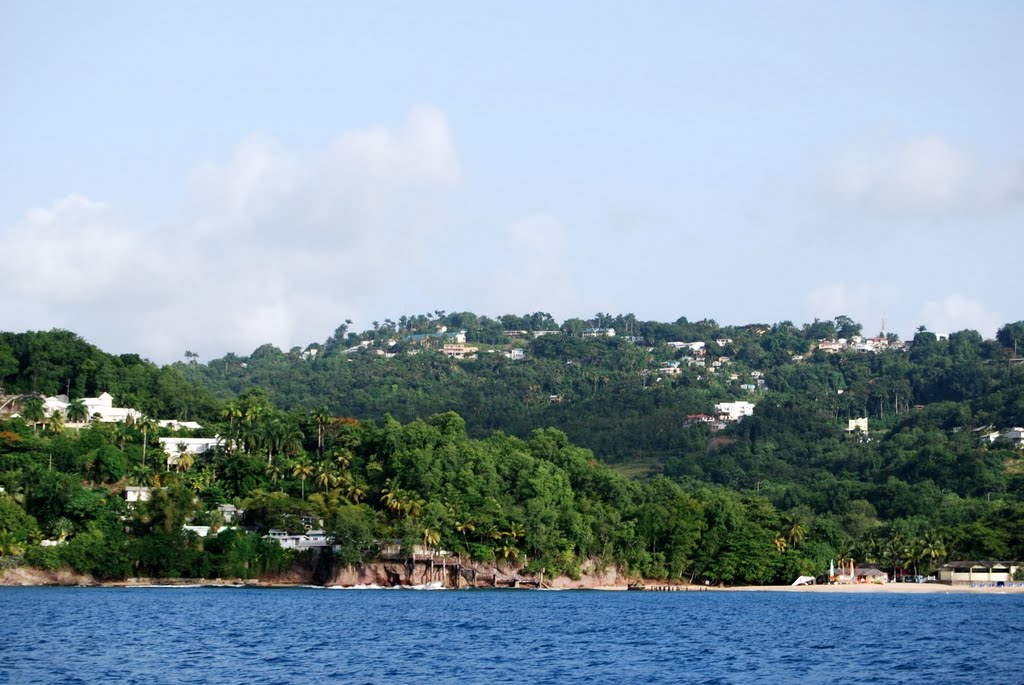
(274, 247)
(927, 177)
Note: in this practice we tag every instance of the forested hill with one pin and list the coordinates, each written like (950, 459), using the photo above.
(936, 465)
(627, 397)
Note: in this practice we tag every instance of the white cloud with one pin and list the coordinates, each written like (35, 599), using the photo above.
(866, 303)
(531, 271)
(956, 313)
(927, 177)
(73, 252)
(275, 248)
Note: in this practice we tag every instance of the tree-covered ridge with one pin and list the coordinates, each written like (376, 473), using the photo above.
(776, 495)
(60, 362)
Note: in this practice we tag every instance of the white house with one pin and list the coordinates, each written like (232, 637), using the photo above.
(312, 538)
(692, 346)
(230, 512)
(193, 446)
(860, 424)
(734, 411)
(1015, 435)
(133, 494)
(599, 333)
(178, 425)
(99, 408)
(103, 409)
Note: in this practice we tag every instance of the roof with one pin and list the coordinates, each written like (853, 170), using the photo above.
(978, 564)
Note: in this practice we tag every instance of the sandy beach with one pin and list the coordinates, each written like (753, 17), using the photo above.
(890, 588)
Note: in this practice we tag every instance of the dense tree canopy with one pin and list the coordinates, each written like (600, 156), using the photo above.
(579, 450)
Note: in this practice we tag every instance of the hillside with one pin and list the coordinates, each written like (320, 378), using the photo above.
(497, 451)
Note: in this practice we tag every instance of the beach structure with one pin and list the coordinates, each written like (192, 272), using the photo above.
(977, 572)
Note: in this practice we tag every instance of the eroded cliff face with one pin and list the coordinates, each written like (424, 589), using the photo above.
(26, 575)
(477, 574)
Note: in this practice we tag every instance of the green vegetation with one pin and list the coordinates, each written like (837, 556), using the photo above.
(580, 450)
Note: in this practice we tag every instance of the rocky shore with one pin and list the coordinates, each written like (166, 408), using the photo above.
(476, 575)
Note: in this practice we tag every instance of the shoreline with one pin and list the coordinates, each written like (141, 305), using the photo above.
(28, 577)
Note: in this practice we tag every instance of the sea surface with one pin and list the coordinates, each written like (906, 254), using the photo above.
(319, 636)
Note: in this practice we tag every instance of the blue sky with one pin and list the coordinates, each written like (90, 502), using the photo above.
(214, 176)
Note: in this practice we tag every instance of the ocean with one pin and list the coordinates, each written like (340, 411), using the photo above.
(318, 636)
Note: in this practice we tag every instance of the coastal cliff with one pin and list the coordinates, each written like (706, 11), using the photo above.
(452, 574)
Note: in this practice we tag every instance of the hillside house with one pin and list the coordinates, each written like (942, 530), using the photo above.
(311, 539)
(133, 494)
(100, 408)
(860, 424)
(457, 350)
(193, 446)
(174, 424)
(734, 411)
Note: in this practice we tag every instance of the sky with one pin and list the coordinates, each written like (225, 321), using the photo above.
(216, 176)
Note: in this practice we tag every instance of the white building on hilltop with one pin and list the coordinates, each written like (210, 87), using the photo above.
(734, 411)
(99, 408)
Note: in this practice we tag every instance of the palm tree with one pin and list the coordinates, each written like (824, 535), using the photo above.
(145, 424)
(231, 411)
(932, 548)
(62, 527)
(121, 434)
(321, 417)
(414, 505)
(302, 470)
(390, 492)
(275, 472)
(55, 424)
(10, 545)
(430, 538)
(343, 459)
(355, 492)
(325, 477)
(796, 530)
(140, 475)
(515, 531)
(465, 527)
(33, 412)
(185, 458)
(290, 438)
(77, 412)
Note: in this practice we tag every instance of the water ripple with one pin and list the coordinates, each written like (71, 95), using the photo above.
(313, 637)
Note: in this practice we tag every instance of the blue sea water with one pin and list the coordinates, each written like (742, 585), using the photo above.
(318, 636)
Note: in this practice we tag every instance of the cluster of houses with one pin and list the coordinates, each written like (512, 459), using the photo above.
(970, 573)
(695, 355)
(857, 343)
(102, 410)
(232, 517)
